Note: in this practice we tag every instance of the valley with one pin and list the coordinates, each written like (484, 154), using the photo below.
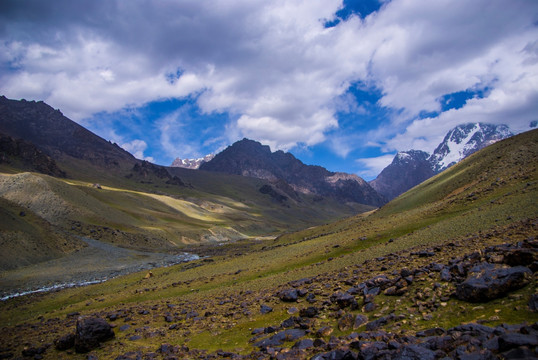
(302, 294)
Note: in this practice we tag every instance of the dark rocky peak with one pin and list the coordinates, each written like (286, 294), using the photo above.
(251, 158)
(56, 135)
(408, 168)
(20, 153)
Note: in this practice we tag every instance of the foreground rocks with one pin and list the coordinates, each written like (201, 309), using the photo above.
(90, 333)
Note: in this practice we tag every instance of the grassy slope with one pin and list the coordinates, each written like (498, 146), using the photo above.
(152, 215)
(487, 192)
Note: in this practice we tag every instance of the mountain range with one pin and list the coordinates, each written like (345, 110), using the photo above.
(289, 176)
(410, 168)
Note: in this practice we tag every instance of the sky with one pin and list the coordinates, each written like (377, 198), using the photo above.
(341, 84)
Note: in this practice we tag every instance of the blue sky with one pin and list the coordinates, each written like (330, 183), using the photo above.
(342, 84)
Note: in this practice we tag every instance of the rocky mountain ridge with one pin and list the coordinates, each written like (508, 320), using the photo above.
(252, 159)
(410, 168)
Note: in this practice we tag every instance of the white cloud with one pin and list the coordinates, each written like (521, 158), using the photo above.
(137, 148)
(273, 66)
(373, 166)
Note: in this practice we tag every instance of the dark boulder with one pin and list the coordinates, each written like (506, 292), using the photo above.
(525, 256)
(264, 309)
(281, 337)
(309, 312)
(344, 300)
(90, 333)
(65, 342)
(335, 355)
(533, 302)
(414, 352)
(512, 340)
(487, 282)
(289, 295)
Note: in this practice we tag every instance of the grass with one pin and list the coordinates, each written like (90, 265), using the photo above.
(477, 203)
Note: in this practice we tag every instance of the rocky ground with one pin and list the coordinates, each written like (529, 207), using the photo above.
(474, 298)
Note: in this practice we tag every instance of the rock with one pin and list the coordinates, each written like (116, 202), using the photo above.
(344, 300)
(303, 344)
(369, 307)
(90, 332)
(414, 352)
(376, 324)
(519, 354)
(488, 282)
(281, 337)
(511, 340)
(359, 321)
(533, 302)
(264, 309)
(524, 257)
(289, 295)
(65, 342)
(335, 355)
(324, 331)
(309, 312)
(346, 322)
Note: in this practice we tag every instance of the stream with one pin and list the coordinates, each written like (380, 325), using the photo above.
(96, 263)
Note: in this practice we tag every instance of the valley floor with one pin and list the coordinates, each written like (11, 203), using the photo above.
(306, 317)
(96, 262)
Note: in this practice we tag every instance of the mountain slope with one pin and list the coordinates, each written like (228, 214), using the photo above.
(98, 190)
(58, 136)
(250, 158)
(376, 284)
(410, 168)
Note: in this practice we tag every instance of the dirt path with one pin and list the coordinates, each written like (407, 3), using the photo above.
(97, 262)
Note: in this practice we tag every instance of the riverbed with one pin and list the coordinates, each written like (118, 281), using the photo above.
(97, 262)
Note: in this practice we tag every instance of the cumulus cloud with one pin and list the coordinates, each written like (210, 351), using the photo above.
(274, 66)
(137, 148)
(373, 166)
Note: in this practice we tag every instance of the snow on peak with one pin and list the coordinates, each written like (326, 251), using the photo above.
(463, 140)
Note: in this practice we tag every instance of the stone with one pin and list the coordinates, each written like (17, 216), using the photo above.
(90, 332)
(65, 342)
(309, 312)
(487, 282)
(281, 337)
(264, 309)
(414, 352)
(335, 355)
(289, 295)
(346, 322)
(344, 300)
(324, 331)
(525, 257)
(511, 340)
(359, 321)
(303, 344)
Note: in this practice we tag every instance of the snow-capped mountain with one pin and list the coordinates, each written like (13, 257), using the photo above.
(192, 163)
(410, 168)
(464, 140)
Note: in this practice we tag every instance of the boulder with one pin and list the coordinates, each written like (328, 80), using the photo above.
(289, 295)
(65, 342)
(487, 282)
(90, 333)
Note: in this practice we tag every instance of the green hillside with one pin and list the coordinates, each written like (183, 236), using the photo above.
(488, 199)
